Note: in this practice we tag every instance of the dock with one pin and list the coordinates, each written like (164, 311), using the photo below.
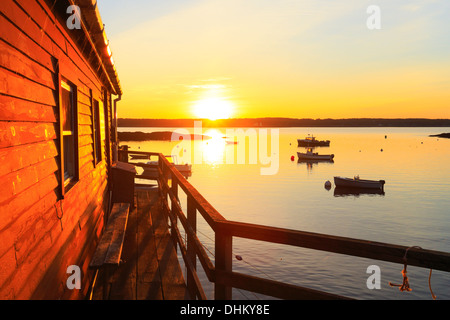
(151, 270)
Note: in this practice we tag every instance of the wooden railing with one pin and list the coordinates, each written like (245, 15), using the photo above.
(221, 273)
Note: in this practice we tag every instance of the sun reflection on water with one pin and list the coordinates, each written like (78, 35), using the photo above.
(213, 149)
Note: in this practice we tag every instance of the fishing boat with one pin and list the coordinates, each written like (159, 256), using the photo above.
(311, 141)
(310, 155)
(356, 182)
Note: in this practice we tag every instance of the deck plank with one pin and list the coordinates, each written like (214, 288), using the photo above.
(149, 269)
(149, 278)
(173, 283)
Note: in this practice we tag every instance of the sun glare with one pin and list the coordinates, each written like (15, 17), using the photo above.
(213, 108)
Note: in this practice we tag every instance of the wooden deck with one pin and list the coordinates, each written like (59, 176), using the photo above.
(150, 269)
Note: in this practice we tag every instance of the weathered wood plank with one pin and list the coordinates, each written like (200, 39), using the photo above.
(110, 247)
(24, 21)
(21, 42)
(16, 158)
(83, 98)
(342, 245)
(16, 109)
(19, 133)
(272, 288)
(90, 75)
(172, 280)
(15, 85)
(124, 279)
(148, 283)
(120, 212)
(38, 15)
(14, 60)
(17, 181)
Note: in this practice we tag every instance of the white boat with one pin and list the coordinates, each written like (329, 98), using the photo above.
(310, 155)
(356, 182)
(311, 141)
(184, 169)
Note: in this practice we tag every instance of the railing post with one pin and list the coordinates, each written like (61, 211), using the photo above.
(191, 216)
(223, 256)
(174, 189)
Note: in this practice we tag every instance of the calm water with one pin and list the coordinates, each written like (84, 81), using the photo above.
(414, 211)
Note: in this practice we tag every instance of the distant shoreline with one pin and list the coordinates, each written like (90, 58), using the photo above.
(157, 136)
(284, 122)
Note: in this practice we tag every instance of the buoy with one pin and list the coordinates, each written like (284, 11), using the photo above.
(238, 257)
(292, 158)
(328, 184)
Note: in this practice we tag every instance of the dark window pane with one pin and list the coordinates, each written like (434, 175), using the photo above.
(69, 157)
(98, 141)
(67, 109)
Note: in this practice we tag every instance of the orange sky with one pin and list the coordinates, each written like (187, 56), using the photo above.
(300, 59)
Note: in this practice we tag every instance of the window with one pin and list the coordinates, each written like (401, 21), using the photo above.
(68, 117)
(97, 132)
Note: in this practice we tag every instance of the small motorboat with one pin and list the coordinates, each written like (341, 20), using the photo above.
(356, 182)
(184, 169)
(310, 155)
(311, 141)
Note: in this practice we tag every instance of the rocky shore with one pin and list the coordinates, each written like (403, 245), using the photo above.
(158, 136)
(441, 135)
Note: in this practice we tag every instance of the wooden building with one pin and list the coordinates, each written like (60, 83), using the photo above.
(58, 91)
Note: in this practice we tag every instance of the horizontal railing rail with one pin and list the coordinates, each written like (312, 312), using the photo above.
(220, 272)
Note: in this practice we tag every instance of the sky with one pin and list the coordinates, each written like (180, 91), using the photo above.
(284, 58)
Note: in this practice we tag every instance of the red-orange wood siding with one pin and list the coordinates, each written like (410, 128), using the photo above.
(40, 233)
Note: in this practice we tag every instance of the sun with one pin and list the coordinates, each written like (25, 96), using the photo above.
(213, 108)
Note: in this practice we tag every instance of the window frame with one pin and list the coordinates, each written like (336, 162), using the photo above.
(96, 131)
(66, 181)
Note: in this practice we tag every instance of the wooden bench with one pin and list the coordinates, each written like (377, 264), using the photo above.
(109, 250)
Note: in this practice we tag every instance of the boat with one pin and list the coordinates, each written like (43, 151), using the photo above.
(310, 155)
(356, 182)
(311, 141)
(184, 169)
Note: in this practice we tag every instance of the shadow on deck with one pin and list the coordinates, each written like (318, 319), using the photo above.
(149, 269)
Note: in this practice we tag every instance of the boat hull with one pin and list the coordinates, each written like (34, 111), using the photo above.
(306, 156)
(358, 183)
(315, 143)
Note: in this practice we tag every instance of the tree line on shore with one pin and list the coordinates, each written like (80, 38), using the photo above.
(285, 122)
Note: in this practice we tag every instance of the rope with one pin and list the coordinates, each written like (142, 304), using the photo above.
(405, 283)
(429, 286)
